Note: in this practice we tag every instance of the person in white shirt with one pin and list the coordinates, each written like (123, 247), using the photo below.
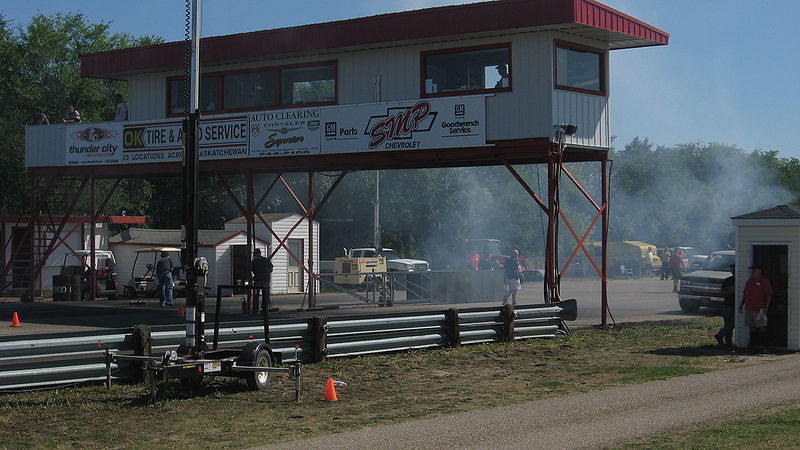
(121, 113)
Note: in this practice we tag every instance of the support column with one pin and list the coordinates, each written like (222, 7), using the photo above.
(604, 239)
(32, 240)
(93, 241)
(251, 226)
(312, 282)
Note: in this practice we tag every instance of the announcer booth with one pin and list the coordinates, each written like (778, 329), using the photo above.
(493, 83)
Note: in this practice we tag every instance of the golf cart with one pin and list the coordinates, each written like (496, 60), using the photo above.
(72, 283)
(146, 285)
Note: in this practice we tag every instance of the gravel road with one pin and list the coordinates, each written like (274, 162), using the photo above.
(590, 420)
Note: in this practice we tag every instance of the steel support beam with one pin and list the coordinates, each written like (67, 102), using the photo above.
(604, 240)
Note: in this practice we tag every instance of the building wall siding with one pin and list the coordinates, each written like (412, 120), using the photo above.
(747, 236)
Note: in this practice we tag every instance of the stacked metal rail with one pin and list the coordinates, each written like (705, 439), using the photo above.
(31, 362)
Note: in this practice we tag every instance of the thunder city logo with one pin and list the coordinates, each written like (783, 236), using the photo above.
(400, 123)
(93, 134)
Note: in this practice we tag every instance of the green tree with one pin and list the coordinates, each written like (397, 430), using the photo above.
(41, 68)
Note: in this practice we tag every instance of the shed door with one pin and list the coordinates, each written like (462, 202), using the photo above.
(240, 264)
(774, 263)
(294, 275)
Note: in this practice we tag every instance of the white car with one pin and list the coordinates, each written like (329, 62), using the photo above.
(394, 262)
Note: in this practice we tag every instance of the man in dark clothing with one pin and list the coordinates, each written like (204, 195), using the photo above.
(676, 267)
(262, 268)
(728, 309)
(164, 276)
(511, 275)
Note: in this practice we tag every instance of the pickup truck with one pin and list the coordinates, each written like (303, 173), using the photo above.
(394, 262)
(703, 287)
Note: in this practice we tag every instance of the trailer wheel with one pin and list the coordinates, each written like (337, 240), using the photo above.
(258, 381)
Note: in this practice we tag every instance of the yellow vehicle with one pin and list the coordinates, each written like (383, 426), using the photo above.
(632, 255)
(356, 270)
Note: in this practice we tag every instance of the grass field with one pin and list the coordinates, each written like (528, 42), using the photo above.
(775, 428)
(381, 389)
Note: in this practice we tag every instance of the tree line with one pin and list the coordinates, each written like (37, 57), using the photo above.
(664, 195)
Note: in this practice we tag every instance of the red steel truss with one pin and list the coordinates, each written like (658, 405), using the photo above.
(506, 153)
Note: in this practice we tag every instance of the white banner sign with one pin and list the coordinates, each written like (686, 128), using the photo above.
(395, 126)
(413, 125)
(94, 143)
(285, 132)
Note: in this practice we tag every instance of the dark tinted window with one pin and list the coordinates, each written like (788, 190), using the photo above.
(579, 69)
(474, 70)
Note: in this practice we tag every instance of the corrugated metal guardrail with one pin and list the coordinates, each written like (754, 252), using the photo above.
(46, 360)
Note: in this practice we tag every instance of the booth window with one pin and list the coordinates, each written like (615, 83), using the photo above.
(303, 85)
(579, 68)
(476, 70)
(209, 100)
(249, 89)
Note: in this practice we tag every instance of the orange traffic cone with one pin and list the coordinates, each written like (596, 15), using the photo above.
(330, 391)
(15, 323)
(181, 311)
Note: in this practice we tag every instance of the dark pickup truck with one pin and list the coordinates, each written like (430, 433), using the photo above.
(703, 287)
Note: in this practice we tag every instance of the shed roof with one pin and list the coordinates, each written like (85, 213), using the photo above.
(152, 237)
(269, 217)
(778, 212)
(586, 18)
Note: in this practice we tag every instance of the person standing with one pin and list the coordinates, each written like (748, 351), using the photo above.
(511, 275)
(164, 276)
(648, 263)
(121, 109)
(73, 116)
(262, 270)
(676, 267)
(755, 304)
(665, 264)
(38, 117)
(725, 334)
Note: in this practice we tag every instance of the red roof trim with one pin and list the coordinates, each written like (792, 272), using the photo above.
(385, 28)
(78, 219)
(598, 15)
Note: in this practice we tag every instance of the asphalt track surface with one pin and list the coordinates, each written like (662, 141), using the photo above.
(630, 301)
(590, 420)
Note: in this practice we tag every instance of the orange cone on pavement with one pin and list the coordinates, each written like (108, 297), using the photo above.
(181, 311)
(15, 323)
(330, 391)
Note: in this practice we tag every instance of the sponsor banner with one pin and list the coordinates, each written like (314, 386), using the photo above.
(409, 125)
(98, 143)
(147, 142)
(285, 132)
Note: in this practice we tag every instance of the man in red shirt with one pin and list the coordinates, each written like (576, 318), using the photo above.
(755, 304)
(676, 266)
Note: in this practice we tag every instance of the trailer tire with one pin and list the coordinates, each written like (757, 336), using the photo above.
(258, 381)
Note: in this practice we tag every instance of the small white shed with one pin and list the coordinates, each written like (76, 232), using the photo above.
(287, 276)
(771, 239)
(220, 247)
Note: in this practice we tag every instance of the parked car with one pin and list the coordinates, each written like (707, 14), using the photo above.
(703, 287)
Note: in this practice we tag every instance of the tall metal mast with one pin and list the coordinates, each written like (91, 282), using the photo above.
(195, 311)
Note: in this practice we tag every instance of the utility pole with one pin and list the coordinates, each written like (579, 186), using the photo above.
(377, 230)
(195, 308)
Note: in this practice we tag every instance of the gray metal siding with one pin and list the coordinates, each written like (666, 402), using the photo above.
(526, 112)
(45, 145)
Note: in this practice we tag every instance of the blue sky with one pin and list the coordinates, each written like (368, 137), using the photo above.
(730, 73)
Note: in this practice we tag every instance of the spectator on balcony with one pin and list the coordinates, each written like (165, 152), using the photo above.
(38, 117)
(73, 115)
(121, 111)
